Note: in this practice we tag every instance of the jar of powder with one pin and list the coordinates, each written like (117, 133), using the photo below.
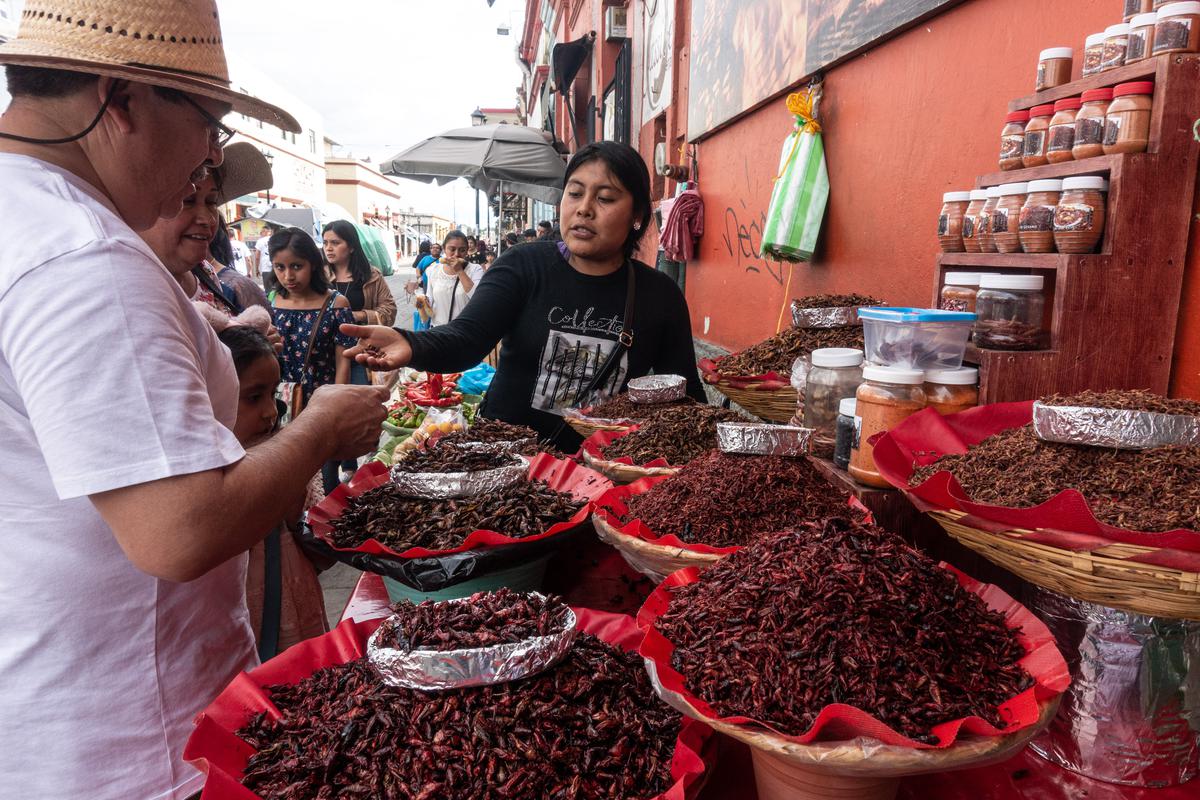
(1116, 42)
(1079, 215)
(1037, 132)
(887, 397)
(983, 224)
(970, 217)
(950, 221)
(1093, 53)
(1012, 140)
(1037, 216)
(1054, 68)
(1127, 122)
(1089, 124)
(1062, 130)
(1006, 217)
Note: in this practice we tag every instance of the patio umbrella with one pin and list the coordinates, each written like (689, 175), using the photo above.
(509, 158)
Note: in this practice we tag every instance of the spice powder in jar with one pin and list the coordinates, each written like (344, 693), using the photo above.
(1037, 216)
(1054, 68)
(1116, 42)
(1079, 216)
(887, 397)
(1127, 123)
(1177, 29)
(1089, 124)
(949, 391)
(970, 217)
(958, 291)
(950, 221)
(1037, 133)
(1093, 53)
(983, 225)
(1141, 37)
(1006, 217)
(1012, 140)
(1062, 130)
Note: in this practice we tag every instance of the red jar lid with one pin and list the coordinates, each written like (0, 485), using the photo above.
(1097, 94)
(1017, 116)
(1069, 104)
(1042, 111)
(1137, 87)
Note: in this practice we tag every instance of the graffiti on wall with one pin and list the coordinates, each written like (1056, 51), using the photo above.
(741, 238)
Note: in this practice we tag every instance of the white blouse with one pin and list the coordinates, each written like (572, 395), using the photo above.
(447, 290)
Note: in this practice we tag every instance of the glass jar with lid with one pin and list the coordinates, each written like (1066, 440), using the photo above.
(1135, 7)
(1116, 43)
(1177, 29)
(846, 438)
(1089, 124)
(970, 235)
(1012, 140)
(950, 221)
(886, 397)
(949, 391)
(958, 291)
(1080, 215)
(983, 225)
(1054, 68)
(1062, 130)
(1141, 37)
(1093, 53)
(1127, 123)
(1037, 216)
(1037, 132)
(1009, 310)
(835, 375)
(1006, 217)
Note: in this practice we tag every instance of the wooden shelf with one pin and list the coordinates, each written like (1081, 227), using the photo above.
(1132, 72)
(975, 355)
(1036, 261)
(1100, 165)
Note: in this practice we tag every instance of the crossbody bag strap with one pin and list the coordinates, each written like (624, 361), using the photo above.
(312, 339)
(453, 296)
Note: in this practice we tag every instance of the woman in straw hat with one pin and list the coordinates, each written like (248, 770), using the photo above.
(123, 589)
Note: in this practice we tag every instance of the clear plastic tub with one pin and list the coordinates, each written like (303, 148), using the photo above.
(916, 338)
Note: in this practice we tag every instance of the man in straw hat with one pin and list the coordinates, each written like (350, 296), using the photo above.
(128, 504)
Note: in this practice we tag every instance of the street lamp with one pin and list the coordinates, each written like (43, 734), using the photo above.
(478, 117)
(270, 157)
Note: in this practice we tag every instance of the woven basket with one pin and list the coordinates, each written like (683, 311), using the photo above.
(773, 405)
(585, 427)
(1101, 576)
(619, 473)
(655, 561)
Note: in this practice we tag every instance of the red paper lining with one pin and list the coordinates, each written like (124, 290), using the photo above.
(216, 750)
(766, 381)
(594, 444)
(838, 721)
(561, 475)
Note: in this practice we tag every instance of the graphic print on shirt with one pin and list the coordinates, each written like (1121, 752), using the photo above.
(576, 347)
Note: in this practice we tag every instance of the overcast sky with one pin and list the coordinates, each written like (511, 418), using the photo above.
(384, 73)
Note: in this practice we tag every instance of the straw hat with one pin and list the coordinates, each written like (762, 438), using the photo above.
(245, 170)
(160, 42)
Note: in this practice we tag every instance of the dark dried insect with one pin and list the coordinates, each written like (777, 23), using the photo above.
(778, 353)
(686, 433)
(482, 620)
(621, 407)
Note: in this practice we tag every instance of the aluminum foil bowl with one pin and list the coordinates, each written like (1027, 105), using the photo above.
(759, 439)
(1114, 427)
(824, 317)
(440, 670)
(657, 389)
(444, 485)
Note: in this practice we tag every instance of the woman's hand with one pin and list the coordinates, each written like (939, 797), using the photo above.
(455, 266)
(275, 339)
(379, 347)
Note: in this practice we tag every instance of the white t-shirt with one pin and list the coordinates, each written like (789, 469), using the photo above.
(264, 255)
(108, 378)
(241, 256)
(442, 284)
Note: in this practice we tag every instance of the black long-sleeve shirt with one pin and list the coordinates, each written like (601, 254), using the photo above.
(556, 327)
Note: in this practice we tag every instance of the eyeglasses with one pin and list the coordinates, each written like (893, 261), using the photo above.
(219, 132)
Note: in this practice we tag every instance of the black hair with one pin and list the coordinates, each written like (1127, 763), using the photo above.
(220, 248)
(360, 267)
(424, 246)
(529, 232)
(47, 83)
(511, 238)
(545, 225)
(627, 166)
(454, 234)
(302, 245)
(246, 345)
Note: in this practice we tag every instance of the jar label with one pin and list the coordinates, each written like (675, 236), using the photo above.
(1041, 75)
(1112, 129)
(1172, 33)
(1091, 58)
(949, 304)
(1062, 137)
(1000, 220)
(968, 227)
(943, 224)
(1114, 53)
(1073, 217)
(856, 440)
(1089, 131)
(1133, 7)
(1037, 218)
(1035, 143)
(1011, 145)
(1137, 45)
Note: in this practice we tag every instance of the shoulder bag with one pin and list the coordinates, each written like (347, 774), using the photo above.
(293, 393)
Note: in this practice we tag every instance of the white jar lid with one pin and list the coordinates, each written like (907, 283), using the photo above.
(1047, 185)
(962, 279)
(1142, 20)
(964, 376)
(1120, 29)
(956, 197)
(992, 192)
(1178, 9)
(1087, 181)
(836, 357)
(1008, 189)
(900, 375)
(1056, 52)
(997, 281)
(979, 194)
(848, 407)
(1094, 39)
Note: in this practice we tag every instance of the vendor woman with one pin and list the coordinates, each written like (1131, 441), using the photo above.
(559, 308)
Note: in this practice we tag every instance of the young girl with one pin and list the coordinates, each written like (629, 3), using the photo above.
(308, 314)
(283, 594)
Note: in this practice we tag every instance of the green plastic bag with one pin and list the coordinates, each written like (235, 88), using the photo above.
(801, 190)
(376, 250)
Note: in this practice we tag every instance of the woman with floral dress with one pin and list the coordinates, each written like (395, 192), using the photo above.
(307, 314)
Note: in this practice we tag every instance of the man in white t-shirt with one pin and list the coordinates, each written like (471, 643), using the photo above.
(128, 505)
(241, 253)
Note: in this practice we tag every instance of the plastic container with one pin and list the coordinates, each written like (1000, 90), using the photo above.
(1012, 140)
(950, 221)
(1177, 29)
(1141, 37)
(1116, 43)
(915, 338)
(887, 397)
(1054, 68)
(1062, 130)
(835, 375)
(1079, 216)
(983, 225)
(949, 391)
(958, 291)
(1135, 7)
(1037, 216)
(1037, 134)
(1006, 217)
(1009, 312)
(1093, 53)
(1127, 123)
(1089, 124)
(846, 436)
(970, 218)
(520, 578)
